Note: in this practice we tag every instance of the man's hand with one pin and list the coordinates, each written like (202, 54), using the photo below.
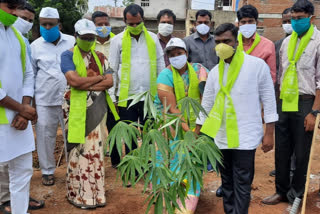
(19, 122)
(267, 143)
(28, 112)
(309, 122)
(197, 129)
(35, 120)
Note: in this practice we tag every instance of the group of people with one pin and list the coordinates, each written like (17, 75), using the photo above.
(83, 82)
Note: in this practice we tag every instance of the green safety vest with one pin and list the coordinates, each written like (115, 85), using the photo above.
(78, 101)
(3, 117)
(193, 91)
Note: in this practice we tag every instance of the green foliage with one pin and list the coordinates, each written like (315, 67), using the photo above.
(70, 11)
(191, 153)
(127, 2)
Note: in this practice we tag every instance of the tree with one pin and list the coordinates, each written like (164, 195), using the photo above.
(115, 3)
(192, 153)
(70, 12)
(127, 2)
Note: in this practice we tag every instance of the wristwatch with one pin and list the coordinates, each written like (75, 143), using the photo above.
(315, 112)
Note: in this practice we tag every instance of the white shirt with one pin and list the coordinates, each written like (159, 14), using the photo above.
(50, 83)
(105, 48)
(14, 143)
(252, 87)
(140, 62)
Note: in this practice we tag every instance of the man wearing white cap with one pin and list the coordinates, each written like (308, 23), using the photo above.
(49, 87)
(16, 92)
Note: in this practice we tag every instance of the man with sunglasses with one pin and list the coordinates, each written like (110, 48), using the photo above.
(300, 103)
(50, 85)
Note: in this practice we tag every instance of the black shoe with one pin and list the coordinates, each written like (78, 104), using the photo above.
(219, 192)
(273, 173)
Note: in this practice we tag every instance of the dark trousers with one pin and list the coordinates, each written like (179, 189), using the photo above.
(111, 122)
(291, 137)
(134, 113)
(237, 175)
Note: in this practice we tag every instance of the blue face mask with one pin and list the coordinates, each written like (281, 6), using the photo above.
(300, 26)
(50, 35)
(103, 31)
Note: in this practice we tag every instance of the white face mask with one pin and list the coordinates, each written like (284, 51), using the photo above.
(203, 29)
(248, 30)
(287, 28)
(22, 25)
(165, 29)
(178, 61)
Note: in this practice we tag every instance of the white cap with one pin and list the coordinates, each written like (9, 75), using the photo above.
(85, 26)
(175, 43)
(49, 12)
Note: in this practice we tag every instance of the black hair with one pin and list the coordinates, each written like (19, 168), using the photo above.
(14, 2)
(28, 7)
(303, 6)
(134, 10)
(167, 12)
(286, 11)
(227, 27)
(203, 13)
(247, 11)
(98, 14)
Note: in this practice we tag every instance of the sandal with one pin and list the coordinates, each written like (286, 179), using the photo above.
(47, 180)
(4, 206)
(35, 207)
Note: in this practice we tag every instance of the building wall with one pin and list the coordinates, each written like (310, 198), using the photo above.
(270, 24)
(179, 7)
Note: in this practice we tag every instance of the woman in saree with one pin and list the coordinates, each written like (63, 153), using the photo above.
(85, 107)
(178, 80)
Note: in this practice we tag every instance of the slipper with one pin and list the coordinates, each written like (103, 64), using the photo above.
(3, 207)
(47, 180)
(40, 202)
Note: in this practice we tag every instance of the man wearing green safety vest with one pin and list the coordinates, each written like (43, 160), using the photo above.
(253, 43)
(23, 24)
(233, 94)
(16, 92)
(136, 57)
(300, 102)
(103, 28)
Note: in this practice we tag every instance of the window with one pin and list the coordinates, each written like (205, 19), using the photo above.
(145, 3)
(227, 3)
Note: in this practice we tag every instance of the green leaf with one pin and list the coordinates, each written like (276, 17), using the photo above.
(151, 198)
(158, 209)
(135, 98)
(170, 123)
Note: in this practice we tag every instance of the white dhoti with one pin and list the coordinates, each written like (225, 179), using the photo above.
(4, 183)
(20, 173)
(49, 118)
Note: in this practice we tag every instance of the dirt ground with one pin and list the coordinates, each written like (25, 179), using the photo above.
(121, 200)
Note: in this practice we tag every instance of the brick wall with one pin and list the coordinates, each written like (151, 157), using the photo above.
(272, 27)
